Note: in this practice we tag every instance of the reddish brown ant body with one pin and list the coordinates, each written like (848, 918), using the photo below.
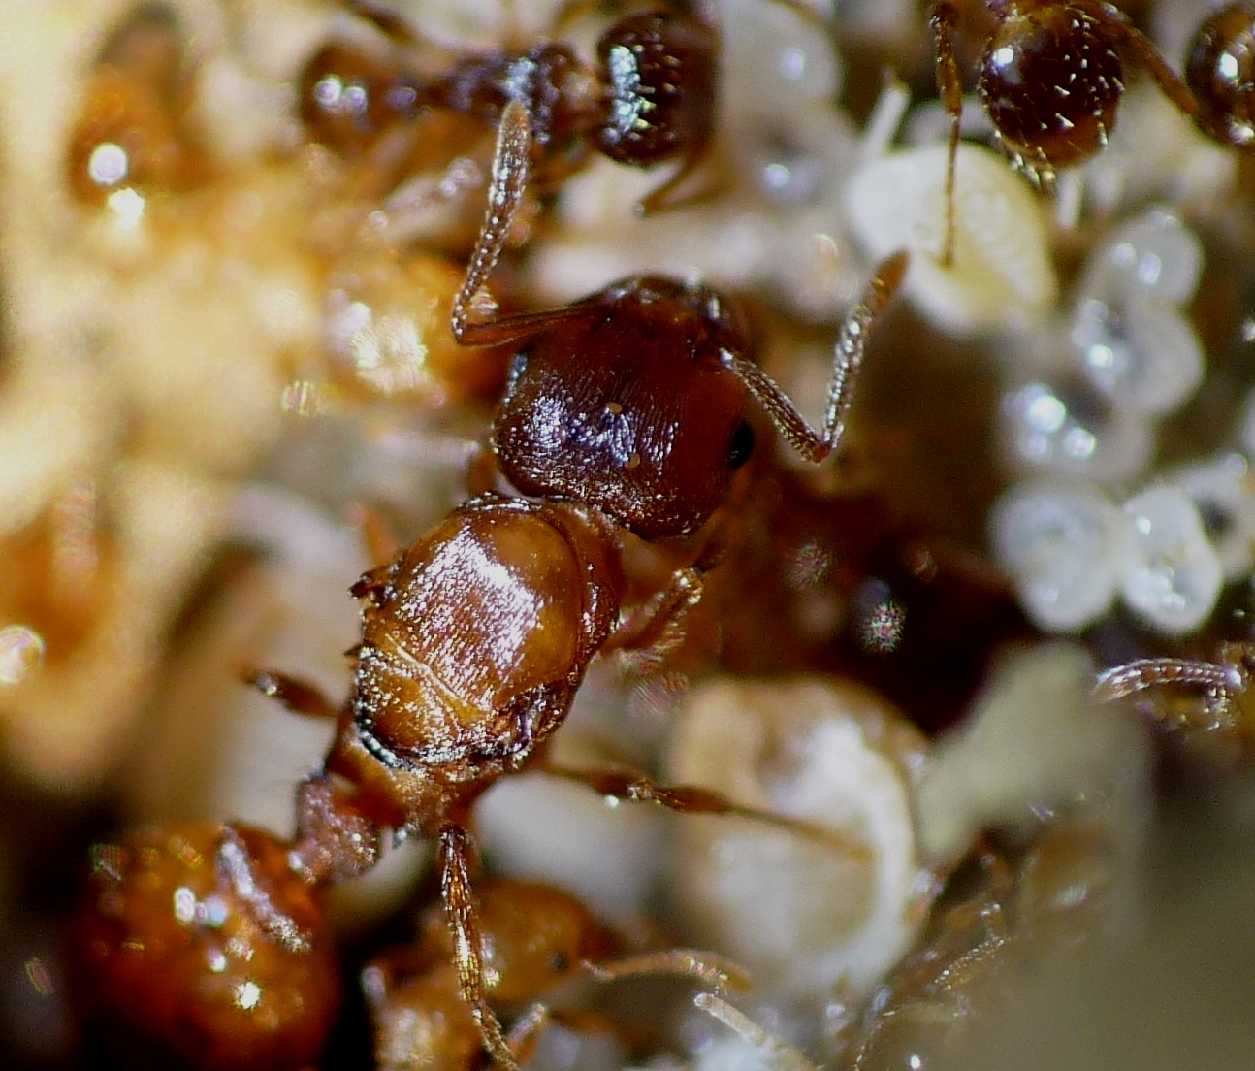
(649, 100)
(537, 937)
(1051, 77)
(1220, 69)
(476, 638)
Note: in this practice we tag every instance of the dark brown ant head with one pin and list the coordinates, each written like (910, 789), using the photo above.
(1050, 80)
(661, 74)
(346, 96)
(628, 405)
(202, 939)
(1220, 69)
(535, 936)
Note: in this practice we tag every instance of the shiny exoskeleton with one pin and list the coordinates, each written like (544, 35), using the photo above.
(476, 638)
(1220, 69)
(1051, 77)
(536, 938)
(132, 132)
(650, 99)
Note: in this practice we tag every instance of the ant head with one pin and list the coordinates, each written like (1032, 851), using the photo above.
(661, 74)
(537, 936)
(628, 405)
(1028, 56)
(343, 91)
(1220, 69)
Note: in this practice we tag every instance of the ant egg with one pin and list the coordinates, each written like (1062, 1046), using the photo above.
(1174, 575)
(1068, 429)
(1034, 740)
(1064, 548)
(778, 57)
(1222, 489)
(1002, 276)
(1144, 356)
(802, 916)
(1153, 255)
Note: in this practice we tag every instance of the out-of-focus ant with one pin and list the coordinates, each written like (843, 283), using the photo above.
(624, 409)
(1220, 699)
(650, 99)
(537, 938)
(1050, 79)
(1220, 69)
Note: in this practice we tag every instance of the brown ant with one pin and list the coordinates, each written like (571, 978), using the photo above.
(132, 132)
(1220, 69)
(649, 100)
(1225, 709)
(537, 937)
(211, 941)
(625, 408)
(1050, 79)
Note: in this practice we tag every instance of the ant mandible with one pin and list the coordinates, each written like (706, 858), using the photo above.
(537, 937)
(1050, 79)
(1220, 69)
(476, 638)
(1224, 687)
(649, 100)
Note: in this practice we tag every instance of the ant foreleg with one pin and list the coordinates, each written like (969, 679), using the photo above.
(334, 841)
(298, 696)
(657, 626)
(377, 533)
(847, 358)
(942, 18)
(690, 799)
(511, 167)
(662, 198)
(462, 913)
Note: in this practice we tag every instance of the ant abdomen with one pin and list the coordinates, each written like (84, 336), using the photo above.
(627, 404)
(532, 589)
(1220, 69)
(661, 75)
(203, 940)
(1050, 80)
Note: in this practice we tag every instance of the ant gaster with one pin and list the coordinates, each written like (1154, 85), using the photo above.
(1051, 76)
(649, 100)
(476, 638)
(536, 938)
(1220, 69)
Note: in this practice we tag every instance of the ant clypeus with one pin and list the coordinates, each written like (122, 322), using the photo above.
(1220, 69)
(649, 100)
(1050, 79)
(624, 409)
(1221, 705)
(537, 937)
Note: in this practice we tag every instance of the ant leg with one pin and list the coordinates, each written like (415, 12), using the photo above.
(525, 1031)
(657, 626)
(847, 358)
(233, 861)
(690, 799)
(1119, 682)
(511, 167)
(662, 197)
(462, 913)
(299, 696)
(942, 18)
(377, 534)
(780, 1055)
(1129, 37)
(710, 969)
(388, 21)
(335, 840)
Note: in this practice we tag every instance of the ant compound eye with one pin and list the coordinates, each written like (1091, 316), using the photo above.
(741, 446)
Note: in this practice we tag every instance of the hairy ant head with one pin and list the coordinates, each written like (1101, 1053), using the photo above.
(628, 405)
(345, 96)
(660, 70)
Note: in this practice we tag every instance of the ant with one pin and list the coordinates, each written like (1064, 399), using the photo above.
(1224, 686)
(212, 941)
(537, 937)
(1050, 79)
(626, 409)
(131, 132)
(1220, 69)
(649, 100)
